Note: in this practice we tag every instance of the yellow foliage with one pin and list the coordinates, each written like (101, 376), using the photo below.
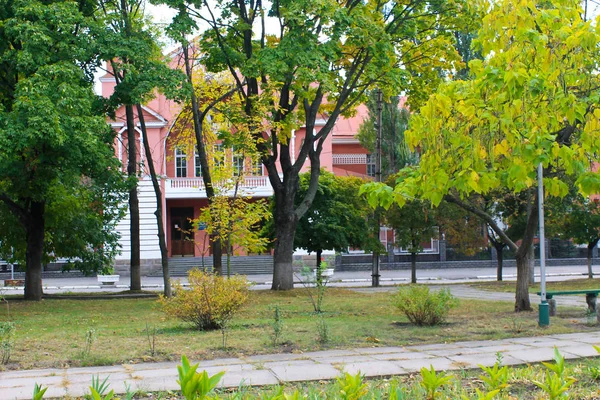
(211, 301)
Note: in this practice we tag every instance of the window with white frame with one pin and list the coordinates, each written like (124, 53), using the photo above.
(238, 163)
(371, 165)
(180, 164)
(197, 166)
(218, 155)
(257, 167)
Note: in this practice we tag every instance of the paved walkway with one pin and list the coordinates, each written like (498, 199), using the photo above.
(273, 369)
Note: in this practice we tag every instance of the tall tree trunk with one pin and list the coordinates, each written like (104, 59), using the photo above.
(590, 254)
(413, 267)
(531, 260)
(500, 261)
(285, 231)
(162, 244)
(522, 302)
(318, 271)
(198, 120)
(134, 206)
(35, 231)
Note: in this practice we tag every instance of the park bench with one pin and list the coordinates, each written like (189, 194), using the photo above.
(590, 298)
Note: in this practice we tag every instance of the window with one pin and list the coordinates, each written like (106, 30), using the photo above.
(257, 167)
(371, 165)
(197, 166)
(180, 164)
(238, 164)
(218, 155)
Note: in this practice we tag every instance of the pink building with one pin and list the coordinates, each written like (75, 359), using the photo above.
(182, 185)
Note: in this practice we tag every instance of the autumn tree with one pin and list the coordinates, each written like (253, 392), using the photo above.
(295, 62)
(531, 100)
(57, 166)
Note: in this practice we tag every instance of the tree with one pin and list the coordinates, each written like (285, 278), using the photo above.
(192, 132)
(413, 224)
(394, 122)
(130, 47)
(337, 218)
(531, 100)
(577, 217)
(318, 62)
(57, 166)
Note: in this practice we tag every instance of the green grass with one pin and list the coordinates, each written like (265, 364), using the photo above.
(509, 286)
(52, 333)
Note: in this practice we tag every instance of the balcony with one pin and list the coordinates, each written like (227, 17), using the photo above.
(349, 159)
(193, 188)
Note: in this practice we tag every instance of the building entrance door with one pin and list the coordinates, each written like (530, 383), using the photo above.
(182, 231)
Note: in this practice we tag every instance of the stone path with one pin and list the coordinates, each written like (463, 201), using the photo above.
(273, 369)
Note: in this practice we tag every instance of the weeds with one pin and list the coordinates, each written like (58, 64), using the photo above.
(316, 281)
(7, 334)
(277, 325)
(151, 337)
(90, 338)
(323, 334)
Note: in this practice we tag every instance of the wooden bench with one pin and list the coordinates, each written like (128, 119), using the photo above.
(590, 298)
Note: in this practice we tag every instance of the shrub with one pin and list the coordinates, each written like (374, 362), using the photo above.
(7, 335)
(423, 307)
(210, 302)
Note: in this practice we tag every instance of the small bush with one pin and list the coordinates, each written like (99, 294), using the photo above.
(422, 307)
(7, 335)
(210, 302)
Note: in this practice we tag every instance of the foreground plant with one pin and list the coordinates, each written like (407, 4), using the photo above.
(433, 381)
(195, 385)
(555, 383)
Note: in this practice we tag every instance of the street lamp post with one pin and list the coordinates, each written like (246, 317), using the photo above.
(375, 270)
(544, 310)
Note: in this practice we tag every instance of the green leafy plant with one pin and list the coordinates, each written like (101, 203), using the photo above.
(323, 334)
(211, 301)
(97, 396)
(38, 392)
(352, 387)
(277, 325)
(479, 395)
(7, 334)
(99, 387)
(195, 385)
(315, 285)
(433, 381)
(422, 307)
(555, 384)
(129, 394)
(496, 378)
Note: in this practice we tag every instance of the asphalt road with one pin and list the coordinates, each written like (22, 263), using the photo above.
(342, 279)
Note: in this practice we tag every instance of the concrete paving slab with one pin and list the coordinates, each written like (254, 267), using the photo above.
(439, 364)
(587, 337)
(30, 373)
(581, 350)
(372, 368)
(537, 355)
(474, 360)
(296, 371)
(275, 357)
(379, 350)
(256, 378)
(405, 355)
(433, 347)
(77, 378)
(344, 359)
(329, 353)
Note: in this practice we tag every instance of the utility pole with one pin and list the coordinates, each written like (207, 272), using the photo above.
(375, 272)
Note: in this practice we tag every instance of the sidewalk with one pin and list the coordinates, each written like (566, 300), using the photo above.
(274, 369)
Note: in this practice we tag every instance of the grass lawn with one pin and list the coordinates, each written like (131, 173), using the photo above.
(52, 333)
(509, 286)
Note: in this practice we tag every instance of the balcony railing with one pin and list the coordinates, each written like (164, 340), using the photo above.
(194, 187)
(346, 159)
